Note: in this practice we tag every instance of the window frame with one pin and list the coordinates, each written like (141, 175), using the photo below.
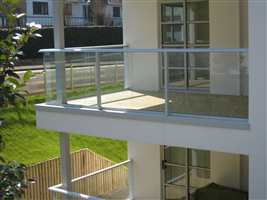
(38, 10)
(116, 10)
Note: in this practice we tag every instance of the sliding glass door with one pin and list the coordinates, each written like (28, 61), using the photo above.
(185, 24)
(184, 170)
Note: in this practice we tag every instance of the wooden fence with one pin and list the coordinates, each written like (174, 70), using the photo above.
(47, 174)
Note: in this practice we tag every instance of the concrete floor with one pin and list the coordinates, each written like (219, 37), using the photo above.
(179, 102)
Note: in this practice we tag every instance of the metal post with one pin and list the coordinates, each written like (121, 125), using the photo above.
(59, 43)
(130, 180)
(60, 78)
(97, 80)
(126, 70)
(65, 161)
(187, 172)
(166, 85)
(71, 77)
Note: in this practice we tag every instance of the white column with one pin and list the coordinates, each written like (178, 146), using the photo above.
(257, 98)
(65, 161)
(145, 173)
(59, 43)
(141, 30)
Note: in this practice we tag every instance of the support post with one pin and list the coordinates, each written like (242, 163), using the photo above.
(130, 180)
(187, 172)
(59, 43)
(126, 70)
(166, 83)
(65, 161)
(97, 80)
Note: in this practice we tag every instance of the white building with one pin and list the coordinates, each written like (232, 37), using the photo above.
(41, 11)
(206, 125)
(77, 12)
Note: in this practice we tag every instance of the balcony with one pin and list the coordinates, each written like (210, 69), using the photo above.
(203, 83)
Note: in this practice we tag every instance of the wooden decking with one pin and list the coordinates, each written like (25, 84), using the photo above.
(179, 102)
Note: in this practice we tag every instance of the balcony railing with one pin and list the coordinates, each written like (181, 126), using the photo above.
(107, 183)
(165, 82)
(48, 21)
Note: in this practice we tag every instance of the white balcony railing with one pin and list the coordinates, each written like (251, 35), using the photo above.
(162, 82)
(119, 191)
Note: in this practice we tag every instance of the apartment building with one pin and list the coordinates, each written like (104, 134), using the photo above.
(192, 104)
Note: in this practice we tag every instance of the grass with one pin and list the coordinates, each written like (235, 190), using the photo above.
(27, 144)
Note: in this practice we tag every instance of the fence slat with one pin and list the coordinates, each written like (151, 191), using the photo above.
(84, 162)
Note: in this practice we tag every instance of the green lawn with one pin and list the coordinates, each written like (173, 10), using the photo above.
(29, 145)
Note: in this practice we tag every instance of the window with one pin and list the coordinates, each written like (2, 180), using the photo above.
(185, 170)
(40, 8)
(68, 9)
(116, 12)
(185, 24)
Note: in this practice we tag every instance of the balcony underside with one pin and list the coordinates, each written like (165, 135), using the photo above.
(179, 103)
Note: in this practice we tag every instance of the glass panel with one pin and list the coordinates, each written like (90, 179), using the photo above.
(198, 33)
(166, 13)
(175, 60)
(199, 158)
(178, 13)
(228, 89)
(199, 60)
(142, 93)
(171, 13)
(198, 10)
(175, 192)
(167, 34)
(175, 181)
(80, 78)
(175, 155)
(50, 77)
(178, 33)
(172, 34)
(176, 77)
(199, 78)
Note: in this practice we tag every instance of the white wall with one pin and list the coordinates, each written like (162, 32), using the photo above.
(146, 174)
(141, 30)
(225, 169)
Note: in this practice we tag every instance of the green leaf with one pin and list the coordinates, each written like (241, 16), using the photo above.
(13, 81)
(27, 75)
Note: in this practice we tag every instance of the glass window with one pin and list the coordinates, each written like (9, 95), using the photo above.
(68, 9)
(40, 8)
(172, 34)
(175, 155)
(199, 60)
(172, 13)
(198, 33)
(198, 10)
(116, 12)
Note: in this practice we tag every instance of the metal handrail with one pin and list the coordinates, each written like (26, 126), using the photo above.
(57, 189)
(146, 50)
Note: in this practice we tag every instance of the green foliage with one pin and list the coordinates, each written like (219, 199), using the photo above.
(29, 145)
(12, 174)
(12, 180)
(10, 51)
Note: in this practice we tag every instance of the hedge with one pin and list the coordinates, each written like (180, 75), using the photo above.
(74, 37)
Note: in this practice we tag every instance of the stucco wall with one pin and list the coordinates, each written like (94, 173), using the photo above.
(141, 30)
(146, 176)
